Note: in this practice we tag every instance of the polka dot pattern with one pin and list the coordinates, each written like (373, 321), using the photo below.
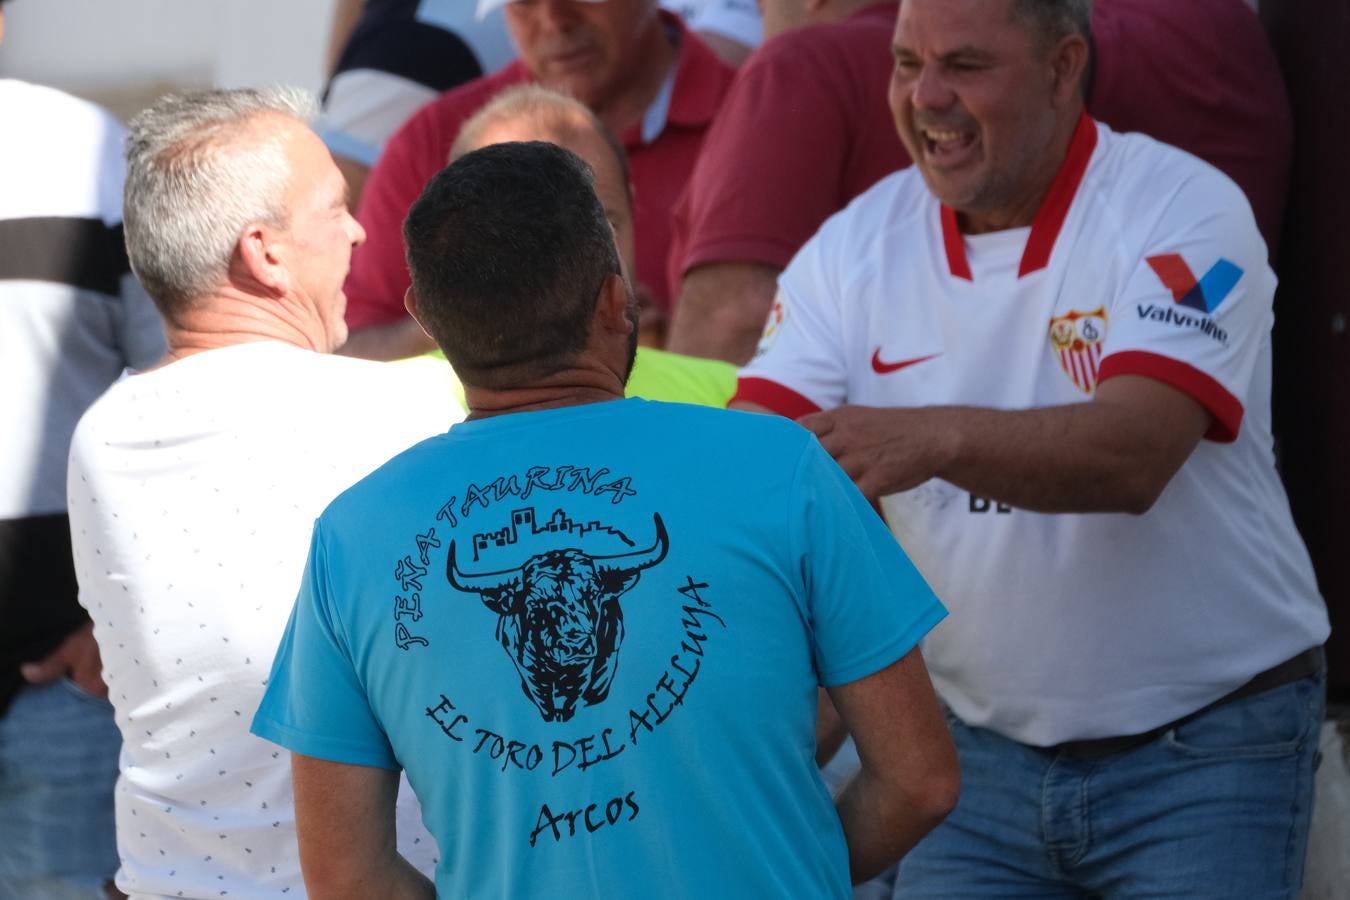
(192, 491)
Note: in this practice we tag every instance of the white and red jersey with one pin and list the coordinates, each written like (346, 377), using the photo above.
(1143, 260)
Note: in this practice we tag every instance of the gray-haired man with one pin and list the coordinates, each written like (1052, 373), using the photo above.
(193, 484)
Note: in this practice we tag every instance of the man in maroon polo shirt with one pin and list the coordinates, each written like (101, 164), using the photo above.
(651, 82)
(804, 130)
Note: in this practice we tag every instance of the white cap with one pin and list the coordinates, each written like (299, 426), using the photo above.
(487, 6)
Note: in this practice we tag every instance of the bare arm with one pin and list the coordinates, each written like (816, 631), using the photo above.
(830, 730)
(393, 340)
(345, 16)
(909, 780)
(345, 819)
(722, 310)
(1115, 453)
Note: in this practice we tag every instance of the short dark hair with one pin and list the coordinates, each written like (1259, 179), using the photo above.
(508, 248)
(1053, 20)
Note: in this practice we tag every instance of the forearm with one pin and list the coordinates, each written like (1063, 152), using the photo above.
(830, 730)
(394, 878)
(1115, 453)
(722, 310)
(344, 818)
(909, 779)
(345, 16)
(1053, 459)
(881, 824)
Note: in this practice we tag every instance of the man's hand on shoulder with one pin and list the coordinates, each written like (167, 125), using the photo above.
(884, 451)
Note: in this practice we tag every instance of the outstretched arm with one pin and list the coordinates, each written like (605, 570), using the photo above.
(1115, 453)
(344, 816)
(909, 780)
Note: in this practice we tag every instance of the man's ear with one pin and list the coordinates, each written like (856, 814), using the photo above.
(1069, 61)
(257, 261)
(410, 304)
(611, 305)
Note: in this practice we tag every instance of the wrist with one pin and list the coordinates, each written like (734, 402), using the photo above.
(946, 441)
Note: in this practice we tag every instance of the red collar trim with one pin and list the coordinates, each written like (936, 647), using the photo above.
(1050, 216)
(955, 244)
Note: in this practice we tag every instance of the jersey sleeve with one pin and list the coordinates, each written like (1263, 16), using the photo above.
(1197, 307)
(799, 367)
(868, 604)
(379, 276)
(747, 200)
(315, 703)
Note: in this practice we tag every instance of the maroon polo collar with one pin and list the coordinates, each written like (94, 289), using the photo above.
(1050, 216)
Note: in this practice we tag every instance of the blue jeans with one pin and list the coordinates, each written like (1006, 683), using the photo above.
(58, 768)
(1218, 808)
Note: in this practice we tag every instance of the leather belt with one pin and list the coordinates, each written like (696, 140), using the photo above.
(1309, 662)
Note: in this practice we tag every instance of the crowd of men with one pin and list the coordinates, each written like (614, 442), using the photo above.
(987, 285)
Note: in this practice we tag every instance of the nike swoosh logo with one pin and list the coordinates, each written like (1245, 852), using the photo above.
(885, 368)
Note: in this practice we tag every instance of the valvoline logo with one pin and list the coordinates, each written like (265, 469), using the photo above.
(1204, 295)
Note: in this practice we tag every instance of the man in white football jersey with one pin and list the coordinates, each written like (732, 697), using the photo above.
(1044, 353)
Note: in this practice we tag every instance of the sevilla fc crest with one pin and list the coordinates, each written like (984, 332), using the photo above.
(772, 326)
(1076, 339)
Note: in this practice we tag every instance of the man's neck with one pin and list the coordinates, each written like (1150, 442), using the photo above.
(655, 56)
(228, 319)
(1021, 210)
(577, 385)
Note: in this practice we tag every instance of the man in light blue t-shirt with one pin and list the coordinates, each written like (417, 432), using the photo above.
(592, 629)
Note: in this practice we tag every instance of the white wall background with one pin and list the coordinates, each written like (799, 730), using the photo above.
(123, 52)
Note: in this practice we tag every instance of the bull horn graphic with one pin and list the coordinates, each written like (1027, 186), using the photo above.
(640, 559)
(483, 582)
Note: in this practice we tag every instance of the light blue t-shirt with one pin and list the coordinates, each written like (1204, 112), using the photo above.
(593, 636)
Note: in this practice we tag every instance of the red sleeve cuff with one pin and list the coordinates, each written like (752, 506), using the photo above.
(1224, 409)
(773, 396)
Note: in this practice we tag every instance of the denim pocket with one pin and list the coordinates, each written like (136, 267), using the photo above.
(1273, 723)
(74, 689)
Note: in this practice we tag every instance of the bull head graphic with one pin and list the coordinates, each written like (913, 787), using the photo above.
(559, 619)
